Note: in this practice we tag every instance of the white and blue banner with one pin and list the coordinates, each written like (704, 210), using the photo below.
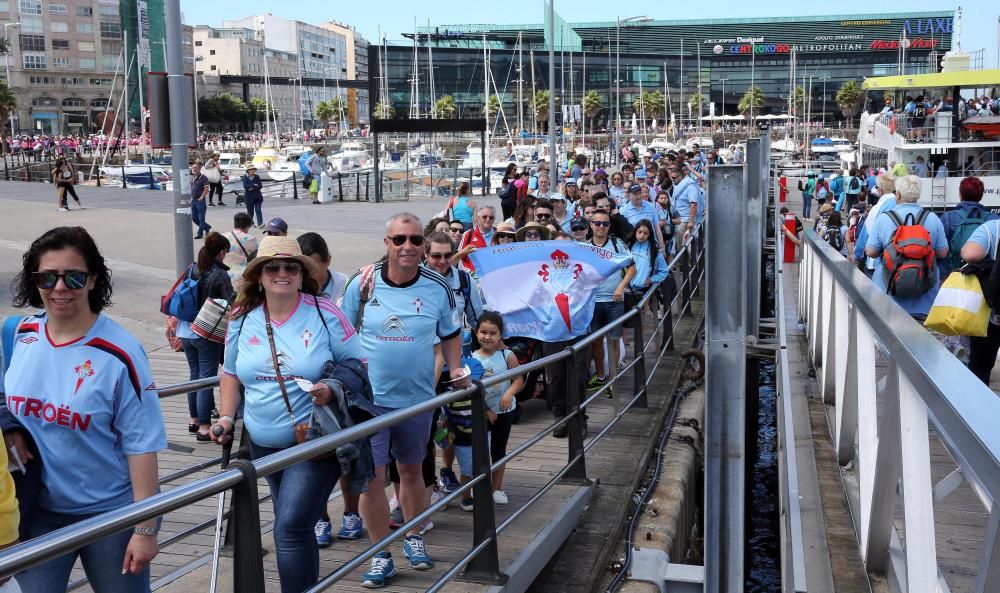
(545, 289)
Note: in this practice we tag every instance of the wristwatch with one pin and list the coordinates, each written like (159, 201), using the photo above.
(150, 531)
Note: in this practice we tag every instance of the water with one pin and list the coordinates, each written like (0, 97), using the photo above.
(763, 540)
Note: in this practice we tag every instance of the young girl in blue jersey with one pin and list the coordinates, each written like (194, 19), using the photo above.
(279, 318)
(500, 398)
(650, 265)
(80, 391)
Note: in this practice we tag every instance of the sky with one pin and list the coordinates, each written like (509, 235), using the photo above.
(394, 17)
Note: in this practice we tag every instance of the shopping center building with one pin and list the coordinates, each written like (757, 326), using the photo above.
(722, 56)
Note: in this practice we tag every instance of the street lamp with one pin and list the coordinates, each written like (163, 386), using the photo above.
(6, 60)
(618, 87)
(824, 79)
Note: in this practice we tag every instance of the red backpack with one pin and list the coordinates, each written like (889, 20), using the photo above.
(909, 257)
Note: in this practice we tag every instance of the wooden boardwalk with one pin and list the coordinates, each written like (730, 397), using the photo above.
(959, 519)
(185, 566)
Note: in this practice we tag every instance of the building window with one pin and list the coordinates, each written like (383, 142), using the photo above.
(98, 103)
(74, 102)
(71, 81)
(60, 62)
(111, 30)
(33, 61)
(4, 6)
(60, 44)
(32, 24)
(109, 62)
(32, 43)
(85, 46)
(82, 10)
(58, 9)
(213, 68)
(85, 28)
(43, 102)
(99, 82)
(198, 44)
(107, 10)
(29, 6)
(88, 63)
(40, 80)
(211, 52)
(57, 27)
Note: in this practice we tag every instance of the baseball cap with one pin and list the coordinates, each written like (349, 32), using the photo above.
(640, 174)
(570, 181)
(600, 172)
(276, 225)
(557, 196)
(578, 224)
(635, 188)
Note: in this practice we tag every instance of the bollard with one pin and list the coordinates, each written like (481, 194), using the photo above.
(789, 244)
(295, 186)
(368, 179)
(152, 181)
(124, 181)
(340, 186)
(357, 186)
(782, 189)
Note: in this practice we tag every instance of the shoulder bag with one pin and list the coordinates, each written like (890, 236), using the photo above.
(301, 430)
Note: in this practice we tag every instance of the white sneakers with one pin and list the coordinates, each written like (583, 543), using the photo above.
(500, 497)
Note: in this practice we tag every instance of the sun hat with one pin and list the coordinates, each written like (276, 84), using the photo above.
(283, 248)
(825, 208)
(531, 226)
(506, 227)
(251, 167)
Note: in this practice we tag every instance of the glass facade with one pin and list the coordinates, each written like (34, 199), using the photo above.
(673, 57)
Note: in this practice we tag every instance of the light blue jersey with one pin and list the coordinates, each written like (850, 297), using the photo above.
(304, 345)
(880, 235)
(88, 405)
(685, 193)
(493, 365)
(654, 271)
(400, 326)
(606, 291)
(986, 236)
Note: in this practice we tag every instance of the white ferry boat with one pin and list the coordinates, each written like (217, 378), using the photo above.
(951, 144)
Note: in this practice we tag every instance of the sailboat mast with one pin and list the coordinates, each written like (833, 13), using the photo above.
(583, 96)
(681, 84)
(486, 94)
(534, 118)
(430, 64)
(128, 97)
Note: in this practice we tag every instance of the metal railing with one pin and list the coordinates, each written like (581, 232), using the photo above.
(880, 430)
(482, 562)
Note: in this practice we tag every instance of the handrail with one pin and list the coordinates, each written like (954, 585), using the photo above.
(885, 428)
(244, 474)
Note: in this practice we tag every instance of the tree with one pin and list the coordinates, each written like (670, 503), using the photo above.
(696, 101)
(799, 98)
(540, 104)
(444, 107)
(752, 100)
(332, 109)
(4, 46)
(385, 111)
(849, 98)
(492, 108)
(8, 103)
(259, 110)
(653, 103)
(591, 105)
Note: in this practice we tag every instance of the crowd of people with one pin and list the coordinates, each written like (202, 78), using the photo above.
(873, 218)
(292, 336)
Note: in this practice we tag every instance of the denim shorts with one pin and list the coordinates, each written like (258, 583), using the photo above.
(463, 453)
(407, 439)
(605, 313)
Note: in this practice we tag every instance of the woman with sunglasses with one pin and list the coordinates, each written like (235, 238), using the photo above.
(455, 230)
(280, 333)
(505, 233)
(80, 394)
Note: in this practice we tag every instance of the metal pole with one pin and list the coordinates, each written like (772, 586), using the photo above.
(553, 163)
(6, 63)
(180, 129)
(485, 567)
(618, 89)
(639, 372)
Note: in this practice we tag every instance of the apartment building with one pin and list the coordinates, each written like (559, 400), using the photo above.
(357, 69)
(65, 64)
(239, 52)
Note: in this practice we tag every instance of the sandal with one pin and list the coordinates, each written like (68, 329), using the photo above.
(192, 428)
(202, 437)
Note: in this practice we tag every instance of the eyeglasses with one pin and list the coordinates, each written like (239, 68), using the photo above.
(415, 240)
(543, 216)
(600, 223)
(293, 268)
(73, 279)
(439, 255)
(532, 235)
(484, 217)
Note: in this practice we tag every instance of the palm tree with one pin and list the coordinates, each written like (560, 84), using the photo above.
(444, 107)
(541, 105)
(259, 110)
(492, 108)
(325, 112)
(849, 98)
(8, 103)
(752, 100)
(799, 98)
(385, 111)
(339, 106)
(591, 105)
(696, 101)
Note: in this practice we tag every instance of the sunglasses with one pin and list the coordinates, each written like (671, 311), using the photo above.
(578, 229)
(457, 229)
(533, 235)
(505, 235)
(439, 255)
(291, 267)
(543, 216)
(73, 279)
(600, 222)
(415, 240)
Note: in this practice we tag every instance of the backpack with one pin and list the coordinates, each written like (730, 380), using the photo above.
(822, 190)
(909, 257)
(304, 162)
(920, 110)
(854, 186)
(837, 187)
(964, 230)
(182, 300)
(835, 238)
(367, 289)
(465, 285)
(10, 325)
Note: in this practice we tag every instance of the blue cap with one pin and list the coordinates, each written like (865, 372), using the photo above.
(635, 188)
(640, 174)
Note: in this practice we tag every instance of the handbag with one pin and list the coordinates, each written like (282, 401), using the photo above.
(212, 320)
(301, 430)
(960, 308)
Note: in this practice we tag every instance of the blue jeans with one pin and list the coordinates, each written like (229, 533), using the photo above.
(102, 562)
(203, 361)
(299, 494)
(198, 210)
(807, 205)
(253, 207)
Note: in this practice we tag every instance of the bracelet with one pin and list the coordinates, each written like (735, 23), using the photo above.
(148, 531)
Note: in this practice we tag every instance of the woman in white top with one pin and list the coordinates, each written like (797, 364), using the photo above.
(64, 176)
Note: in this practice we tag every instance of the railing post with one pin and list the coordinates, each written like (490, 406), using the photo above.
(667, 338)
(639, 372)
(368, 180)
(485, 566)
(575, 425)
(686, 273)
(357, 186)
(340, 187)
(248, 568)
(124, 180)
(295, 186)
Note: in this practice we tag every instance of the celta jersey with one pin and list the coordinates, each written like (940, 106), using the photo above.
(401, 324)
(303, 344)
(88, 404)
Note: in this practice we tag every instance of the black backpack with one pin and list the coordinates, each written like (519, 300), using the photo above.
(835, 238)
(854, 185)
(920, 110)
